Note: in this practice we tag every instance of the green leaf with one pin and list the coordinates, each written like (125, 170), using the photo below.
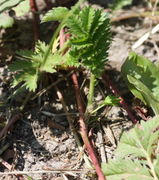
(125, 169)
(22, 8)
(142, 78)
(25, 54)
(147, 95)
(156, 164)
(30, 66)
(111, 100)
(139, 141)
(76, 27)
(40, 48)
(20, 65)
(136, 156)
(87, 17)
(70, 61)
(8, 4)
(6, 21)
(143, 70)
(90, 39)
(28, 79)
(51, 63)
(56, 14)
(31, 79)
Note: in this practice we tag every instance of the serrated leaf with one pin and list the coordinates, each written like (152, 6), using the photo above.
(87, 17)
(97, 21)
(70, 61)
(40, 47)
(149, 130)
(56, 14)
(6, 21)
(125, 169)
(136, 155)
(138, 142)
(31, 79)
(30, 65)
(76, 27)
(51, 63)
(90, 39)
(22, 8)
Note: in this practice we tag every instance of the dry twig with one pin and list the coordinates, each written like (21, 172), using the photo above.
(80, 171)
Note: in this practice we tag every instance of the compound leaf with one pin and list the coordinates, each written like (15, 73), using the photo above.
(125, 169)
(138, 142)
(76, 27)
(136, 155)
(90, 39)
(30, 65)
(87, 17)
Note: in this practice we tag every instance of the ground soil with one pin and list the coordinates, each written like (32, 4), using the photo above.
(41, 138)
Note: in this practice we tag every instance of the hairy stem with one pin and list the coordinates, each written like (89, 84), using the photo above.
(84, 131)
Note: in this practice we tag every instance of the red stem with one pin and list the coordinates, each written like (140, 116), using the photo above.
(122, 101)
(36, 19)
(84, 132)
(81, 109)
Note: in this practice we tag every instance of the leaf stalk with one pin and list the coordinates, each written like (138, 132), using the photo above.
(59, 28)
